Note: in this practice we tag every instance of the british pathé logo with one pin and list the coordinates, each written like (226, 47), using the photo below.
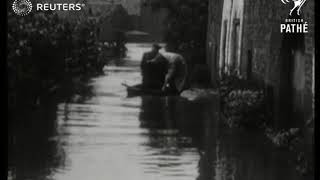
(294, 23)
(297, 5)
(22, 7)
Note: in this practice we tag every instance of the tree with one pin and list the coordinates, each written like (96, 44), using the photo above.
(186, 26)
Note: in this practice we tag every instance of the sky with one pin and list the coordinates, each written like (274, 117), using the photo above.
(132, 6)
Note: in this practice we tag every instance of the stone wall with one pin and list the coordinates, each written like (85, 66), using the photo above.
(264, 52)
(267, 45)
(213, 37)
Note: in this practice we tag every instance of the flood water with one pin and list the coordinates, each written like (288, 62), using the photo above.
(104, 135)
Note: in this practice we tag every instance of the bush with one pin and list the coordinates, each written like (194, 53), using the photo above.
(244, 105)
(294, 140)
(186, 27)
(243, 102)
(43, 50)
(244, 108)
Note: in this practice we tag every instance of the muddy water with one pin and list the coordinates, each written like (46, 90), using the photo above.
(105, 135)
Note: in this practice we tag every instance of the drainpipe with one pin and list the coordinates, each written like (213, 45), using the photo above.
(229, 40)
(240, 39)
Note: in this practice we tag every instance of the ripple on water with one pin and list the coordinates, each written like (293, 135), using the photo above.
(108, 136)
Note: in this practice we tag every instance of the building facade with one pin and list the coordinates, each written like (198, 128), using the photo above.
(150, 20)
(244, 39)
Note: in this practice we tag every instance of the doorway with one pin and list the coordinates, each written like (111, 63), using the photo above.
(291, 77)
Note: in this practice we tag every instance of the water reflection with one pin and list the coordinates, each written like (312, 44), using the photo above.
(241, 155)
(170, 153)
(98, 133)
(182, 132)
(34, 155)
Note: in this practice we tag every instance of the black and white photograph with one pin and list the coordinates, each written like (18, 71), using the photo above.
(161, 89)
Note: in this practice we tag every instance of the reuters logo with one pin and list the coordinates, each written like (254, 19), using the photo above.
(22, 7)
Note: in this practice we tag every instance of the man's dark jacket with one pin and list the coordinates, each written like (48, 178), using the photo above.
(152, 74)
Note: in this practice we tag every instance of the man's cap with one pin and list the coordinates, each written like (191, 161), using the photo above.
(156, 46)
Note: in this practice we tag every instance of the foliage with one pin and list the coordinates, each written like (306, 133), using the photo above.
(293, 140)
(244, 107)
(284, 138)
(243, 102)
(186, 26)
(44, 49)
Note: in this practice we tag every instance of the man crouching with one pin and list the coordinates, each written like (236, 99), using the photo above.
(175, 70)
(153, 74)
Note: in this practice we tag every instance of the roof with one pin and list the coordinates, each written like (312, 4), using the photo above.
(136, 32)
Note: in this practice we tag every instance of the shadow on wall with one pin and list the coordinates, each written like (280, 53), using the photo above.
(291, 79)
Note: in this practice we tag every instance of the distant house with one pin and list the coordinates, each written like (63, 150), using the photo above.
(153, 21)
(112, 18)
(150, 20)
(244, 39)
(120, 15)
(129, 15)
